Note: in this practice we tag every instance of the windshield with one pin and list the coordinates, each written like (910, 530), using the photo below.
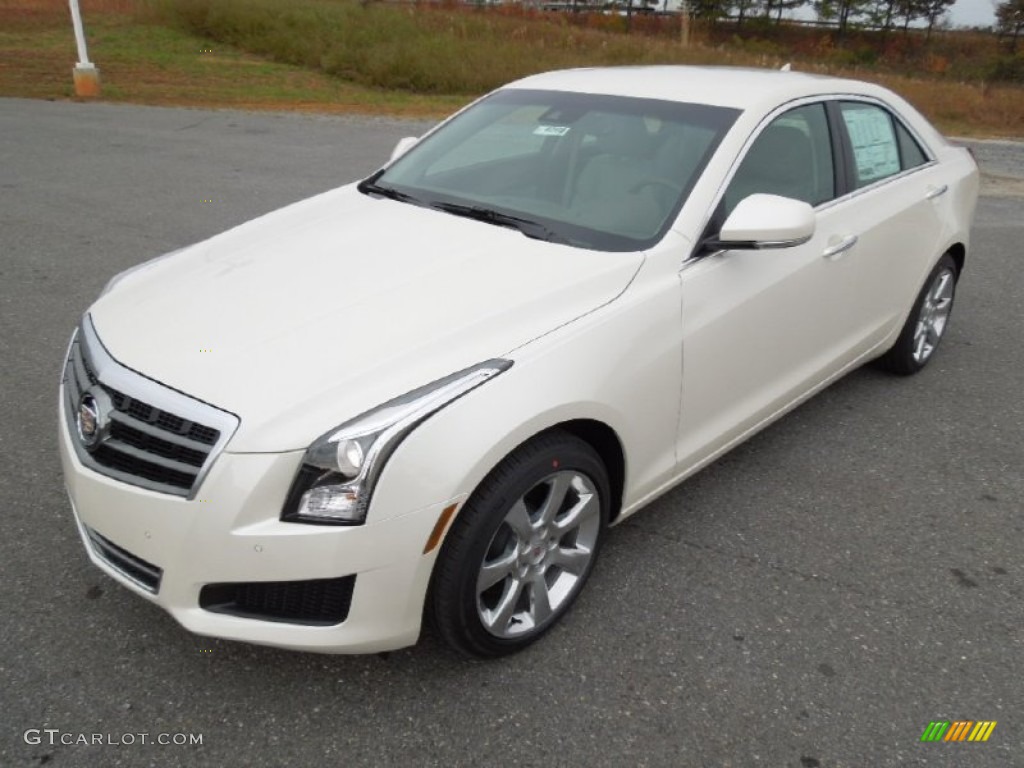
(603, 172)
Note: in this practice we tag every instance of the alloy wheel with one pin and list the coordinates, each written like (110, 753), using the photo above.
(539, 554)
(934, 315)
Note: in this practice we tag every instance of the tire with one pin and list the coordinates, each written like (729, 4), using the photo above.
(522, 548)
(927, 322)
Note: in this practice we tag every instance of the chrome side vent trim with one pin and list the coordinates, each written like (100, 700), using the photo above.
(135, 569)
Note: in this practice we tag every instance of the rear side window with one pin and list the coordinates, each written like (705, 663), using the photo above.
(876, 153)
(881, 145)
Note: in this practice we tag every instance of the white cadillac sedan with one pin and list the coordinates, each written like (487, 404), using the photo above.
(430, 394)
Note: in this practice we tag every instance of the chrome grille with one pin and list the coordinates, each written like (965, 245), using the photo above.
(153, 436)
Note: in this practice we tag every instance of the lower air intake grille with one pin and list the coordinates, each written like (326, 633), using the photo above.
(135, 569)
(319, 602)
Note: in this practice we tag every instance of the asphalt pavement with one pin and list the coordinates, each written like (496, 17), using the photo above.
(815, 598)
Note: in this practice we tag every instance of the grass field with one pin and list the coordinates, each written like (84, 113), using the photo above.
(341, 56)
(143, 61)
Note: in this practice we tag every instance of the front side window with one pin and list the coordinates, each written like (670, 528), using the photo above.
(602, 172)
(791, 157)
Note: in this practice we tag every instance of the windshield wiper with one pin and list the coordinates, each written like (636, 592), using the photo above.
(528, 227)
(371, 187)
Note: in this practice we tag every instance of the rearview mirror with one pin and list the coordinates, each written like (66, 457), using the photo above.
(403, 146)
(766, 221)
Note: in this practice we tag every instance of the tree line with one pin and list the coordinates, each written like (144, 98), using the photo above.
(883, 15)
(1010, 21)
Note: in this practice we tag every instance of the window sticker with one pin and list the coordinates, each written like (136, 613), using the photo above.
(874, 145)
(551, 130)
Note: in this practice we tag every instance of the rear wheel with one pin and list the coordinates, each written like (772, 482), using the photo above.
(927, 322)
(522, 548)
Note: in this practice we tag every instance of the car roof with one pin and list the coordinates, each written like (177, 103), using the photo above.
(737, 87)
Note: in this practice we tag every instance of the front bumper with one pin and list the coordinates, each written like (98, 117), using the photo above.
(231, 533)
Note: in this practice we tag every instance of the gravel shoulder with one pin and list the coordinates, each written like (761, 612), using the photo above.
(1001, 164)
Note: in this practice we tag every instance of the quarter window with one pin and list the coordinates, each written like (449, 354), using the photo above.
(911, 154)
(792, 157)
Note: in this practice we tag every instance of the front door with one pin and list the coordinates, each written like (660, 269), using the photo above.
(762, 327)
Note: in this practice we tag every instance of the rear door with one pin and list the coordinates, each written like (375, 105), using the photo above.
(895, 206)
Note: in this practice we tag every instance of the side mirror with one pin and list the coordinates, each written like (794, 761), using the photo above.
(766, 221)
(403, 146)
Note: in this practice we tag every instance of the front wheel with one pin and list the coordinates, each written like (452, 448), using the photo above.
(926, 323)
(522, 548)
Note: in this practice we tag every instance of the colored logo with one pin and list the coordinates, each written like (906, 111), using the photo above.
(958, 730)
(93, 418)
(88, 420)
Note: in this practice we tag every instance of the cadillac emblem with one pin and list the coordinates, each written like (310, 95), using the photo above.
(88, 420)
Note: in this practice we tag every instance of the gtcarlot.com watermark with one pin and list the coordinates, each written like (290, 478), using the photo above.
(55, 736)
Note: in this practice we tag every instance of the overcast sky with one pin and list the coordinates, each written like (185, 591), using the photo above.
(973, 13)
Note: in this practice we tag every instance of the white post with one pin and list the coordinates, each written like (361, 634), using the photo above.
(86, 75)
(76, 20)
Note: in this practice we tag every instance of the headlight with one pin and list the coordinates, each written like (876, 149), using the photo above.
(339, 471)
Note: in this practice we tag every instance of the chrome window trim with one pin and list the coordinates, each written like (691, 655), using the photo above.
(795, 104)
(110, 372)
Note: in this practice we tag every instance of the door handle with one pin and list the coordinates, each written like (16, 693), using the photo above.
(934, 192)
(841, 247)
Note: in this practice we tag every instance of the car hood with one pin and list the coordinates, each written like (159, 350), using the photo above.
(311, 315)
